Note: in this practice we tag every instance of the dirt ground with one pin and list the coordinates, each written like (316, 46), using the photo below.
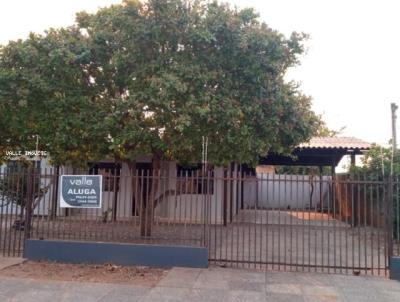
(107, 273)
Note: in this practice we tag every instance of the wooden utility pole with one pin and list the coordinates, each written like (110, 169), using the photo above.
(390, 214)
(394, 117)
(393, 107)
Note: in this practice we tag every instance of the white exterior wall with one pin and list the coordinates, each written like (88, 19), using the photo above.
(191, 207)
(270, 191)
(285, 191)
(45, 182)
(177, 208)
(124, 201)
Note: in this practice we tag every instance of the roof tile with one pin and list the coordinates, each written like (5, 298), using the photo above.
(336, 142)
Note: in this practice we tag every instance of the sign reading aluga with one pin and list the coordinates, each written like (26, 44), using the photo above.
(81, 191)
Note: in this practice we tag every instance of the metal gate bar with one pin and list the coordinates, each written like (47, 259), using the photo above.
(303, 223)
(342, 224)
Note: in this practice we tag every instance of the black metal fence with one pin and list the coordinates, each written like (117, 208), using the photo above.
(341, 224)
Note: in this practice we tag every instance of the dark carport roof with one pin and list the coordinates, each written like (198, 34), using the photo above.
(319, 151)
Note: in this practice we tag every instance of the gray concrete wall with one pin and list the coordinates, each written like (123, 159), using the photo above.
(394, 268)
(117, 253)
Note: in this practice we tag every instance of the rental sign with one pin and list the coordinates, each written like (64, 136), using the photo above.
(80, 191)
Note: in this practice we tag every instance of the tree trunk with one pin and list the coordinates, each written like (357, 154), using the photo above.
(54, 200)
(150, 185)
(28, 204)
(116, 189)
(146, 221)
(134, 185)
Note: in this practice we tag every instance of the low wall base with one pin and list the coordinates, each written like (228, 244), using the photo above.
(117, 253)
(394, 268)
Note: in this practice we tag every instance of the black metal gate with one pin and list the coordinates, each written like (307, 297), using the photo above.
(305, 223)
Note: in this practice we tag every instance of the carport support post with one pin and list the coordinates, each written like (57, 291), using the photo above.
(354, 193)
(320, 189)
(352, 160)
(333, 189)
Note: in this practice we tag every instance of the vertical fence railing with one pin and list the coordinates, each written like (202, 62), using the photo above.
(138, 206)
(396, 215)
(17, 188)
(303, 223)
(346, 224)
(390, 219)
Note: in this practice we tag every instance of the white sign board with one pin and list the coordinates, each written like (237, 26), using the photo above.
(81, 191)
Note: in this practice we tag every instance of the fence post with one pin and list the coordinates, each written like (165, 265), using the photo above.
(29, 202)
(54, 198)
(225, 197)
(389, 218)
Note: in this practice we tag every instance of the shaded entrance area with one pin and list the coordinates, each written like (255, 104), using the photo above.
(320, 152)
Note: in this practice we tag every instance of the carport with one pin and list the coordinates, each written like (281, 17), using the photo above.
(320, 152)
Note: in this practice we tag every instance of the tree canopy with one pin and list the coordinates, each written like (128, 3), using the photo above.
(154, 78)
(379, 162)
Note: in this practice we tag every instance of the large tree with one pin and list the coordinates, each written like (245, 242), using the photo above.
(154, 78)
(46, 90)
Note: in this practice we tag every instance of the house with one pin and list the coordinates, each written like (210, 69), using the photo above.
(194, 190)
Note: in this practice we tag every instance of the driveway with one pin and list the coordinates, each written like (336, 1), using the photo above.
(208, 285)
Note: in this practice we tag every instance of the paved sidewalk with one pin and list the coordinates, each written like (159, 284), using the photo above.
(9, 261)
(208, 285)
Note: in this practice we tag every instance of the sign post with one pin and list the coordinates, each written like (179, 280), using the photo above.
(81, 191)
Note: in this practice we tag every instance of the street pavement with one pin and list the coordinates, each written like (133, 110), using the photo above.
(209, 285)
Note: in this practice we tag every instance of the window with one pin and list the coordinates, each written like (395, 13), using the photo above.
(108, 178)
(110, 173)
(19, 166)
(194, 180)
